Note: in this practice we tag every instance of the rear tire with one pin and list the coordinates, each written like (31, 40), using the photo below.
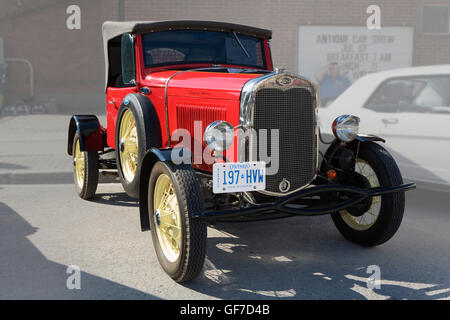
(85, 170)
(390, 211)
(178, 238)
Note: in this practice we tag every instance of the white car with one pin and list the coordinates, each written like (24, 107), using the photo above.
(410, 109)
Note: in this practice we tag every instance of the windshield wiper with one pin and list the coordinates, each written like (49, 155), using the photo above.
(240, 44)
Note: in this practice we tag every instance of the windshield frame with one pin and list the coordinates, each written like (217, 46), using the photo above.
(265, 56)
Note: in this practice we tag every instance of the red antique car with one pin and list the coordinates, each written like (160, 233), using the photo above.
(202, 129)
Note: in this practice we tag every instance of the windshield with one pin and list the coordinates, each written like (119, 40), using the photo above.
(191, 46)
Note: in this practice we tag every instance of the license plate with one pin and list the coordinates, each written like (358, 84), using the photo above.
(239, 177)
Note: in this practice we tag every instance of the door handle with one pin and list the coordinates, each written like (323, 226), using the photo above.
(389, 121)
(145, 90)
(113, 102)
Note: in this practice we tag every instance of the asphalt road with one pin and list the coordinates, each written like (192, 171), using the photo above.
(46, 228)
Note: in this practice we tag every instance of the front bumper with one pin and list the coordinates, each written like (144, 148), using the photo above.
(288, 205)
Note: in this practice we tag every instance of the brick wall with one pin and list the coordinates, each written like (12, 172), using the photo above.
(65, 62)
(69, 64)
(283, 17)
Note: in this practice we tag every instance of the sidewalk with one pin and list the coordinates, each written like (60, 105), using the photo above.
(33, 150)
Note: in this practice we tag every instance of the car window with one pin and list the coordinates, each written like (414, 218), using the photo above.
(412, 94)
(196, 46)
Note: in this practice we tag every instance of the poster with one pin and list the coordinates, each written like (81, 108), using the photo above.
(352, 50)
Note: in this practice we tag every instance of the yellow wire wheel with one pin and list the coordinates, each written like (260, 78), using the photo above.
(369, 218)
(179, 237)
(78, 164)
(128, 145)
(85, 170)
(376, 219)
(167, 218)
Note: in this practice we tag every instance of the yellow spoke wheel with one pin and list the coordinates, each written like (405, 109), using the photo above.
(128, 145)
(179, 237)
(377, 218)
(369, 218)
(78, 163)
(167, 218)
(85, 170)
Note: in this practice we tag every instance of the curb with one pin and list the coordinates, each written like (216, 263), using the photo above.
(50, 178)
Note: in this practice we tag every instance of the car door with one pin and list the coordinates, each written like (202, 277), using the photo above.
(122, 80)
(413, 115)
(114, 97)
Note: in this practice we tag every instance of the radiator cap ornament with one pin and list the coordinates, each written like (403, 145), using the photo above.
(284, 81)
(285, 185)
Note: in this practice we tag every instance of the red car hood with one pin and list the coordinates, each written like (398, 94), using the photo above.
(203, 84)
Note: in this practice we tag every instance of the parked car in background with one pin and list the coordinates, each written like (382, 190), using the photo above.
(408, 107)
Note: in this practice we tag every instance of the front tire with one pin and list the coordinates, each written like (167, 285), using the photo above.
(174, 197)
(383, 218)
(85, 170)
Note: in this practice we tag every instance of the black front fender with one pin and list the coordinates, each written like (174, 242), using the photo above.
(369, 137)
(152, 156)
(336, 146)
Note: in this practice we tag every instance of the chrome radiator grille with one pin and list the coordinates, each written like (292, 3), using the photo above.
(292, 112)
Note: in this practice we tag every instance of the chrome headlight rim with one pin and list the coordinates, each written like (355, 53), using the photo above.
(219, 135)
(346, 127)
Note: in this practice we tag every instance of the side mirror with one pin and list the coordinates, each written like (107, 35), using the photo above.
(128, 60)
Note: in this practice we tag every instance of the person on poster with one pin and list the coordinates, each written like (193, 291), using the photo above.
(331, 83)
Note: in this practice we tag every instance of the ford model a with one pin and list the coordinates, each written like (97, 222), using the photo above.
(204, 130)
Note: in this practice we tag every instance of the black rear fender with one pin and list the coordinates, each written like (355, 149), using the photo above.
(91, 134)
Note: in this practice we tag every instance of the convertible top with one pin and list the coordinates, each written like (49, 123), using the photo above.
(113, 29)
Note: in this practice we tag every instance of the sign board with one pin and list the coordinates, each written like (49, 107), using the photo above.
(356, 50)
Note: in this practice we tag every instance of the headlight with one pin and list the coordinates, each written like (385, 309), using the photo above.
(219, 135)
(346, 127)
